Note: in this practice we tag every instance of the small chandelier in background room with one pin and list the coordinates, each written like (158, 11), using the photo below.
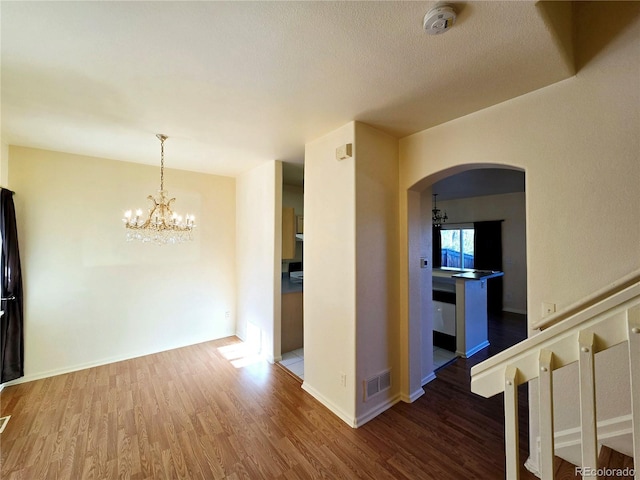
(161, 225)
(437, 217)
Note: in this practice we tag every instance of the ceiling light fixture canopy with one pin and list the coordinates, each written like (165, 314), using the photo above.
(437, 217)
(161, 224)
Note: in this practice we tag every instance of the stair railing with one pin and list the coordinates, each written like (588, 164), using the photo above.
(603, 322)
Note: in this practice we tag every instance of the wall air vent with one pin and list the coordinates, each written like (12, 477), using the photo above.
(376, 384)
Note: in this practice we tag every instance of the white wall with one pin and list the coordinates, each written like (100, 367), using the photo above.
(93, 298)
(4, 165)
(578, 143)
(259, 250)
(376, 262)
(351, 305)
(426, 287)
(329, 273)
(511, 208)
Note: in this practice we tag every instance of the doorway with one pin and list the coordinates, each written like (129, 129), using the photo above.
(470, 200)
(292, 317)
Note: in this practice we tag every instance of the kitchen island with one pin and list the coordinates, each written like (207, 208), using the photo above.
(468, 289)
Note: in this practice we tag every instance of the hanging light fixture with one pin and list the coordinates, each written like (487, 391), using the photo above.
(161, 224)
(437, 217)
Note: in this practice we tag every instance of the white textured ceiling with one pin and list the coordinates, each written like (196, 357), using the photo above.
(234, 84)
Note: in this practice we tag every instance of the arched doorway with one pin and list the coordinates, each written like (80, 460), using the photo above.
(470, 194)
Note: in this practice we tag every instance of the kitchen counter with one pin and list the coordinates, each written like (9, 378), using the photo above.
(290, 284)
(470, 287)
(465, 273)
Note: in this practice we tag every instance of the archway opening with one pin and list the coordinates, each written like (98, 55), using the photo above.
(453, 322)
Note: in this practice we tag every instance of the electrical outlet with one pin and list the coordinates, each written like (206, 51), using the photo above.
(227, 314)
(343, 379)
(548, 308)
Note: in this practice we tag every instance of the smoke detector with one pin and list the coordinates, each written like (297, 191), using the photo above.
(439, 19)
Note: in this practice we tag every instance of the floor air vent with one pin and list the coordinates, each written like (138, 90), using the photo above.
(377, 384)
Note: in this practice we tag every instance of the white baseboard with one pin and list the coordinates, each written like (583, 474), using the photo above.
(97, 363)
(607, 429)
(473, 350)
(429, 378)
(348, 419)
(373, 413)
(533, 467)
(615, 432)
(413, 396)
(353, 422)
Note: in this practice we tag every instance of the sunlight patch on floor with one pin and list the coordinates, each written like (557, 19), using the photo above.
(241, 354)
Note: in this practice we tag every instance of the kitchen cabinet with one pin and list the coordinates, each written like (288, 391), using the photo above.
(288, 233)
(291, 322)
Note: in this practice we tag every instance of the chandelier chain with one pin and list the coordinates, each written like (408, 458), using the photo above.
(162, 139)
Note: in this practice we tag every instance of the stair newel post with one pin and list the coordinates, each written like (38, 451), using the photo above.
(634, 371)
(512, 449)
(586, 342)
(545, 392)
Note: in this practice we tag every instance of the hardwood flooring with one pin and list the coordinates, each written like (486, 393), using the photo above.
(204, 412)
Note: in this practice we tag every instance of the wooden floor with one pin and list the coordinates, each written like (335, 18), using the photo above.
(203, 412)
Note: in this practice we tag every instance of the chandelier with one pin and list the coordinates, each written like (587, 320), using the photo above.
(161, 225)
(437, 217)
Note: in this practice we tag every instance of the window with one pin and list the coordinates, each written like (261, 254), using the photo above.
(457, 247)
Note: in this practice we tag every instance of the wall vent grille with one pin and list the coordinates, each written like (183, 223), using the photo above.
(376, 384)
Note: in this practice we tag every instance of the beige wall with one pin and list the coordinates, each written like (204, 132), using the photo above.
(578, 143)
(351, 259)
(93, 298)
(259, 249)
(512, 209)
(4, 165)
(329, 273)
(376, 263)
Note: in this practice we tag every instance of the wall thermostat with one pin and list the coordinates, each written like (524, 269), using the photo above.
(343, 152)
(439, 19)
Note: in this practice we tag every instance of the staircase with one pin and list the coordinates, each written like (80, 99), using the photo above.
(608, 318)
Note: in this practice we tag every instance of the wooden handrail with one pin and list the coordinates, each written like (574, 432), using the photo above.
(607, 318)
(487, 377)
(597, 296)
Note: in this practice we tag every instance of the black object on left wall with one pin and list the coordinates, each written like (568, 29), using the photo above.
(11, 323)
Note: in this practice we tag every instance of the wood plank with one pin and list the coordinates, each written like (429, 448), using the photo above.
(189, 413)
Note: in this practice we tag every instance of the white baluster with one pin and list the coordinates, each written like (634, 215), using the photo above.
(634, 370)
(512, 450)
(545, 391)
(586, 341)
